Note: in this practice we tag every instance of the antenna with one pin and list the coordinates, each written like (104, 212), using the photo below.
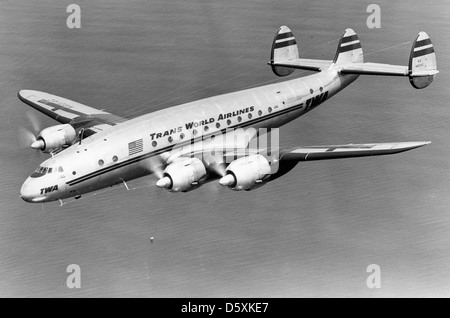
(81, 133)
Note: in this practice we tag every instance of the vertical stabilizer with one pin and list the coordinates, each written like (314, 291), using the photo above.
(422, 61)
(284, 48)
(349, 49)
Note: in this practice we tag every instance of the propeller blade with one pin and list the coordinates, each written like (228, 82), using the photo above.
(155, 165)
(26, 137)
(34, 121)
(219, 169)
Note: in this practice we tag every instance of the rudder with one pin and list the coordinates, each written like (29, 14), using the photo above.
(422, 62)
(284, 48)
(349, 49)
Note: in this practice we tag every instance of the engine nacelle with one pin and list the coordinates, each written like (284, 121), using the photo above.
(55, 137)
(183, 175)
(246, 173)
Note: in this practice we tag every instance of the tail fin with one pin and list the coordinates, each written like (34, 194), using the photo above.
(349, 49)
(284, 48)
(422, 62)
(284, 56)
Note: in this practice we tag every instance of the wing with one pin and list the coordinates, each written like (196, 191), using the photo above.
(67, 111)
(294, 155)
(246, 142)
(347, 151)
(242, 166)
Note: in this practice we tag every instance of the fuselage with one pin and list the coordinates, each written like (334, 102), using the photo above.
(128, 150)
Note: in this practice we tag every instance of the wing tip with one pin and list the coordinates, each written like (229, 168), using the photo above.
(27, 93)
(413, 144)
(22, 94)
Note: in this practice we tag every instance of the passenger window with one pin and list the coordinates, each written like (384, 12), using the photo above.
(50, 170)
(60, 169)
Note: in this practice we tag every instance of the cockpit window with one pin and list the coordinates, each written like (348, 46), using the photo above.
(37, 173)
(42, 171)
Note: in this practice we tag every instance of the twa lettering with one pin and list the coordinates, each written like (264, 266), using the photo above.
(49, 189)
(316, 100)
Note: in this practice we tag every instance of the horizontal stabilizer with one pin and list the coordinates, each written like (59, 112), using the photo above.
(348, 151)
(305, 64)
(375, 69)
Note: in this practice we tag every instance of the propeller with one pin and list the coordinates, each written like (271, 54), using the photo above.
(155, 165)
(34, 120)
(27, 137)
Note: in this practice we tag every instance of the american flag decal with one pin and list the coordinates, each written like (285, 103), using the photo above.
(135, 146)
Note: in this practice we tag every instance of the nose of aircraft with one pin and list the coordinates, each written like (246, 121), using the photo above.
(30, 191)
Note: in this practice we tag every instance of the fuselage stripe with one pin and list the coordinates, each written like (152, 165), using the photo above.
(284, 35)
(423, 52)
(280, 45)
(423, 42)
(350, 38)
(355, 46)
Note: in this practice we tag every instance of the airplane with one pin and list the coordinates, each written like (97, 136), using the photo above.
(184, 145)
